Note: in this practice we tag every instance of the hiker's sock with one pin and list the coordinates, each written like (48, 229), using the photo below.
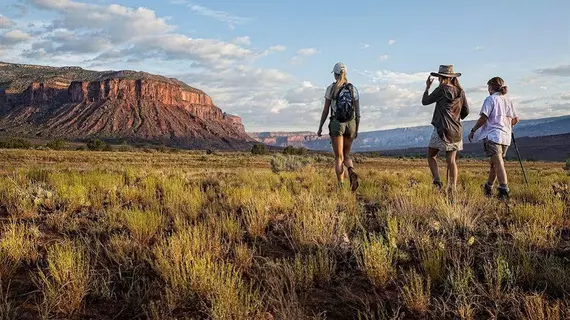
(504, 192)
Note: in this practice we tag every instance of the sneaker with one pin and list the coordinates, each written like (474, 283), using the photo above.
(488, 190)
(503, 193)
(438, 184)
(353, 180)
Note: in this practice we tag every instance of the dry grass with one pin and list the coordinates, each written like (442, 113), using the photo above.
(223, 236)
(65, 281)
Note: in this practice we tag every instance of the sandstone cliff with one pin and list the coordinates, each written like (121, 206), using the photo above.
(74, 103)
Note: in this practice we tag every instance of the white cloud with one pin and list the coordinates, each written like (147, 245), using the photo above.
(222, 16)
(118, 22)
(113, 33)
(561, 71)
(365, 46)
(301, 54)
(391, 42)
(384, 57)
(242, 41)
(393, 77)
(307, 52)
(5, 22)
(14, 36)
(277, 48)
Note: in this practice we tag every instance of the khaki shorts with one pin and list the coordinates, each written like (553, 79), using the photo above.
(491, 148)
(342, 129)
(437, 143)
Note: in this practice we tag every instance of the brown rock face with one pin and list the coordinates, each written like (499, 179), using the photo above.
(116, 105)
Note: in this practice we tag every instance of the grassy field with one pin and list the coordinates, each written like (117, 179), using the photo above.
(96, 235)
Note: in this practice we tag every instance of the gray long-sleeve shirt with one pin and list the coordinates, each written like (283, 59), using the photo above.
(450, 108)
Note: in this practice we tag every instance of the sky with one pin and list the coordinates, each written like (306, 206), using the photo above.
(269, 61)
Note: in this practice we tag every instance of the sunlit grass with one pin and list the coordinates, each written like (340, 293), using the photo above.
(190, 235)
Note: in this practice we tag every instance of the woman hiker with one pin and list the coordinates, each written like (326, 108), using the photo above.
(450, 108)
(342, 99)
(498, 116)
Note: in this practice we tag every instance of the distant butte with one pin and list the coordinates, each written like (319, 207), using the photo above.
(78, 104)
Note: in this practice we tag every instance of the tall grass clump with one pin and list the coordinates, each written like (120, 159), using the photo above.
(65, 282)
(143, 226)
(313, 269)
(190, 262)
(17, 245)
(70, 189)
(538, 308)
(499, 277)
(416, 292)
(376, 260)
(182, 201)
(316, 221)
(432, 256)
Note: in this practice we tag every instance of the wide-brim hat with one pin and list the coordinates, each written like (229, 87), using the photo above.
(446, 71)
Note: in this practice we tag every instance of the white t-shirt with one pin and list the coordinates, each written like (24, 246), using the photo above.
(328, 95)
(500, 111)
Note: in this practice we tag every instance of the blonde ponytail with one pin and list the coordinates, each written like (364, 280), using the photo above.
(341, 80)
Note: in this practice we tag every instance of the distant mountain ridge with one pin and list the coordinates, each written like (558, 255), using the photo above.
(403, 138)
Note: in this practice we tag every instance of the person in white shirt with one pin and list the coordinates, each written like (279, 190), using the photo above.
(498, 116)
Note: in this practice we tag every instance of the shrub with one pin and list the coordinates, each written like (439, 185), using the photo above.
(376, 259)
(567, 166)
(281, 163)
(96, 145)
(15, 144)
(416, 292)
(258, 149)
(290, 150)
(57, 144)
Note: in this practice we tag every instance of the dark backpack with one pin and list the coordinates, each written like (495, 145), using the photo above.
(344, 104)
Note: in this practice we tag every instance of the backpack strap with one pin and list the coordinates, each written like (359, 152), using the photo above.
(346, 85)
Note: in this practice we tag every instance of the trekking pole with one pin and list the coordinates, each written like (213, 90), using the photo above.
(520, 160)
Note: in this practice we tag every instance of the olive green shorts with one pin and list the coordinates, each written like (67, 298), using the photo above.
(342, 129)
(492, 148)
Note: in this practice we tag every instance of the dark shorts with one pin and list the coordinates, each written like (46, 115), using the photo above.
(491, 148)
(342, 129)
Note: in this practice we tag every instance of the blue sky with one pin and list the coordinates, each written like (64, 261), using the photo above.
(270, 61)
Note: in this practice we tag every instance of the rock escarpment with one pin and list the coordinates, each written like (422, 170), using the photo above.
(73, 103)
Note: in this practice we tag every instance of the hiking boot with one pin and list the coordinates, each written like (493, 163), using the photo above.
(503, 193)
(488, 190)
(353, 179)
(438, 184)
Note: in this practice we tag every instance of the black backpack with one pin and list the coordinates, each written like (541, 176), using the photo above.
(344, 104)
